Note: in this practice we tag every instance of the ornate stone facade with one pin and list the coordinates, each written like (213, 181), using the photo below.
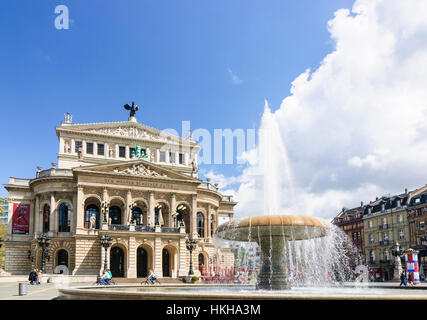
(148, 207)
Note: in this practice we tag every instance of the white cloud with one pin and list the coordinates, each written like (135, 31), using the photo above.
(234, 78)
(355, 128)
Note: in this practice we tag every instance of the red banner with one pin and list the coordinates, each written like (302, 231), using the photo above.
(21, 218)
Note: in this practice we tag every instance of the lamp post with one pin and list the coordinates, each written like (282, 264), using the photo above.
(397, 251)
(43, 241)
(106, 243)
(191, 245)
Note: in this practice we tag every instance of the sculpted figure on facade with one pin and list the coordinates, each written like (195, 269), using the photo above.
(92, 221)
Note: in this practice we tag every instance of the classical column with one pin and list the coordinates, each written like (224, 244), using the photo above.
(131, 272)
(37, 219)
(193, 218)
(127, 209)
(74, 213)
(73, 146)
(127, 155)
(208, 224)
(177, 157)
(61, 145)
(117, 151)
(157, 155)
(79, 207)
(32, 217)
(52, 218)
(158, 256)
(182, 263)
(172, 209)
(151, 209)
(84, 147)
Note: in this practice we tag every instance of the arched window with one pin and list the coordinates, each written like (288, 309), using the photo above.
(200, 224)
(92, 209)
(115, 215)
(46, 218)
(64, 218)
(137, 215)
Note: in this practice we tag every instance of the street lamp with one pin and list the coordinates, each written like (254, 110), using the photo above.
(106, 243)
(43, 241)
(191, 245)
(397, 251)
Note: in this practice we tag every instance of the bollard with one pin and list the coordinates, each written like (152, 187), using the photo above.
(23, 289)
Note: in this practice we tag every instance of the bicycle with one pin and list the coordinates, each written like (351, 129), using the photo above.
(99, 283)
(147, 281)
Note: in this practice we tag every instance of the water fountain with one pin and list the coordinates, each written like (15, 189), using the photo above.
(271, 232)
(287, 242)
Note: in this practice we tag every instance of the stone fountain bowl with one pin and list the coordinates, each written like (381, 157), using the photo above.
(288, 227)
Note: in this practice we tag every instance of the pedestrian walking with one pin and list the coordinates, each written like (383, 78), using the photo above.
(402, 279)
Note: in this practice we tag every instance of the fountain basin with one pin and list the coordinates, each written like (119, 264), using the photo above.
(271, 233)
(239, 292)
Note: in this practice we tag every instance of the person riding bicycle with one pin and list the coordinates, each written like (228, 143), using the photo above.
(152, 277)
(106, 278)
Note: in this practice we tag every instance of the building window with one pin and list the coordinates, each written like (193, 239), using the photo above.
(181, 158)
(370, 224)
(385, 236)
(101, 150)
(78, 146)
(371, 238)
(421, 225)
(64, 218)
(399, 218)
(401, 234)
(200, 224)
(89, 147)
(122, 152)
(162, 156)
(46, 218)
(398, 203)
(171, 157)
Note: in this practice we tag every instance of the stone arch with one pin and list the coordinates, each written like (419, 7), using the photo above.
(186, 215)
(46, 216)
(64, 225)
(141, 269)
(92, 195)
(118, 202)
(118, 259)
(169, 261)
(205, 268)
(201, 225)
(90, 203)
(56, 246)
(165, 211)
(142, 204)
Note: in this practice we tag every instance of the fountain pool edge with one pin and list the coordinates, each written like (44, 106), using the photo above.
(167, 293)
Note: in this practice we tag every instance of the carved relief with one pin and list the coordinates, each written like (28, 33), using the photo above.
(139, 170)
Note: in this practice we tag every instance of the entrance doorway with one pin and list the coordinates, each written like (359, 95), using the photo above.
(166, 263)
(141, 263)
(62, 258)
(202, 266)
(117, 262)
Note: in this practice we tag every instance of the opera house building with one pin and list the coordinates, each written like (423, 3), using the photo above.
(137, 184)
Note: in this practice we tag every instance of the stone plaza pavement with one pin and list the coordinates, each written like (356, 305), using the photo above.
(9, 288)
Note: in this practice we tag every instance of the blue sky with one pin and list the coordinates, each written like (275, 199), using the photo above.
(176, 59)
